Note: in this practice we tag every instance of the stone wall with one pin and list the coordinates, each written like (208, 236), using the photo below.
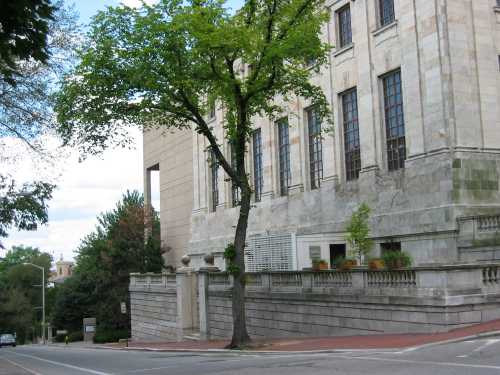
(153, 307)
(360, 302)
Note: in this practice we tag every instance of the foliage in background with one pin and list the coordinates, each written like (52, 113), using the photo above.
(105, 259)
(396, 259)
(160, 65)
(37, 43)
(20, 291)
(358, 230)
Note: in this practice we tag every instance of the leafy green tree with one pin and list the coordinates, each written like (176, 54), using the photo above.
(23, 36)
(159, 66)
(37, 43)
(20, 290)
(358, 230)
(105, 260)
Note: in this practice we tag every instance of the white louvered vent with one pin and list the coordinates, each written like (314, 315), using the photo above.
(272, 252)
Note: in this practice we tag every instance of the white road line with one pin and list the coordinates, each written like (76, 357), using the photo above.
(478, 349)
(18, 365)
(82, 369)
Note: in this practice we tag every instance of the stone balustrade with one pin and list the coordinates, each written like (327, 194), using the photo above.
(436, 280)
(149, 280)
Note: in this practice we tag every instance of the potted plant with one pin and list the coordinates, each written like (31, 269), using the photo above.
(319, 265)
(345, 264)
(396, 259)
(358, 231)
(376, 264)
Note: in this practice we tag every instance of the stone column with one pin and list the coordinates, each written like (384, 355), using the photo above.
(203, 304)
(187, 309)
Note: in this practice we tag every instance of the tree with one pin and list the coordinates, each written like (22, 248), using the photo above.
(159, 66)
(106, 257)
(358, 231)
(23, 36)
(20, 290)
(37, 40)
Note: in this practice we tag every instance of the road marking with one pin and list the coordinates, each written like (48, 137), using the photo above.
(22, 367)
(478, 349)
(82, 369)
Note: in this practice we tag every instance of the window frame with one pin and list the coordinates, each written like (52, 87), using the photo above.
(315, 148)
(384, 18)
(393, 110)
(283, 148)
(344, 30)
(350, 127)
(214, 181)
(258, 176)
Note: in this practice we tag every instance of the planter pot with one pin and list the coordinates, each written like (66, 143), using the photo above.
(349, 264)
(320, 267)
(376, 264)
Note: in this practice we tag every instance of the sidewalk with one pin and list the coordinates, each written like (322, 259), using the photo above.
(381, 341)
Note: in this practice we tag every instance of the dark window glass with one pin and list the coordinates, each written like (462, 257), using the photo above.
(211, 108)
(394, 121)
(235, 190)
(386, 12)
(351, 134)
(315, 148)
(258, 178)
(284, 156)
(344, 21)
(214, 169)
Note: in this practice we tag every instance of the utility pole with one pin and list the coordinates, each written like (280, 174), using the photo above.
(43, 298)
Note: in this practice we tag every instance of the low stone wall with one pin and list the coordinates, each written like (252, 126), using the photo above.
(358, 302)
(153, 306)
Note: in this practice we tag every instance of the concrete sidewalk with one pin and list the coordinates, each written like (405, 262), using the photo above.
(379, 341)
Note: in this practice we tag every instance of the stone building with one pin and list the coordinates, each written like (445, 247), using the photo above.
(414, 88)
(64, 270)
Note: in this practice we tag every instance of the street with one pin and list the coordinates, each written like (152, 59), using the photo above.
(481, 356)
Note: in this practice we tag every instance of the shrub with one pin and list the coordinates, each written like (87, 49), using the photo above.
(59, 338)
(104, 335)
(396, 259)
(75, 336)
(345, 264)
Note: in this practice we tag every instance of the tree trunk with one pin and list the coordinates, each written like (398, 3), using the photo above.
(240, 335)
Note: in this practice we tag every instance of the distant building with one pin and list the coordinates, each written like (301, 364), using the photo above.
(414, 87)
(64, 269)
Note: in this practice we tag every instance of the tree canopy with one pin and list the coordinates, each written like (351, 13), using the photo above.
(105, 259)
(23, 35)
(20, 290)
(160, 65)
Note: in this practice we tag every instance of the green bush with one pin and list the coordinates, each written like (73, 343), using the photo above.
(110, 335)
(75, 336)
(396, 259)
(59, 338)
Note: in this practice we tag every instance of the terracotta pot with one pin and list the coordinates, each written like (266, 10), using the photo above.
(349, 264)
(319, 266)
(376, 264)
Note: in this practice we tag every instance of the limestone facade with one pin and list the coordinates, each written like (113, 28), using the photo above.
(445, 54)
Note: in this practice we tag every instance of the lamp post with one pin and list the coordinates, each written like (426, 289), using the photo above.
(43, 297)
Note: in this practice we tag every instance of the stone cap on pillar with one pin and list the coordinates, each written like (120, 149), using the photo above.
(186, 259)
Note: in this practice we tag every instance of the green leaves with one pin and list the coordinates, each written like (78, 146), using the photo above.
(358, 231)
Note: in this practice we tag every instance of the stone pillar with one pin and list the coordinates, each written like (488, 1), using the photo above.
(186, 297)
(89, 326)
(203, 304)
(49, 333)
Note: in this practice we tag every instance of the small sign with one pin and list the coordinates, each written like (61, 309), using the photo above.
(89, 329)
(61, 332)
(123, 307)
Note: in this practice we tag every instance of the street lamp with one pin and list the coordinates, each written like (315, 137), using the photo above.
(43, 297)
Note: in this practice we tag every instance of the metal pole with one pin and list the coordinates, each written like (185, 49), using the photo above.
(43, 306)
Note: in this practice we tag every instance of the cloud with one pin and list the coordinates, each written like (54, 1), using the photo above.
(83, 192)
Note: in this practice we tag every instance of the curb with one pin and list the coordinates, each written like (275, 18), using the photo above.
(287, 352)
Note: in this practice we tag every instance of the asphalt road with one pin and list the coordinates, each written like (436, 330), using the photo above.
(469, 357)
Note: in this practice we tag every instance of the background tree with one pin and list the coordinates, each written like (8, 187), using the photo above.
(158, 65)
(105, 260)
(37, 43)
(20, 290)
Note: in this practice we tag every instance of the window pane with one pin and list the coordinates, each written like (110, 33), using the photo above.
(351, 135)
(284, 156)
(386, 12)
(214, 169)
(344, 21)
(394, 121)
(315, 148)
(235, 190)
(257, 164)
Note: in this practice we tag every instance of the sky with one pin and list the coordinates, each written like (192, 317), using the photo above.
(87, 189)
